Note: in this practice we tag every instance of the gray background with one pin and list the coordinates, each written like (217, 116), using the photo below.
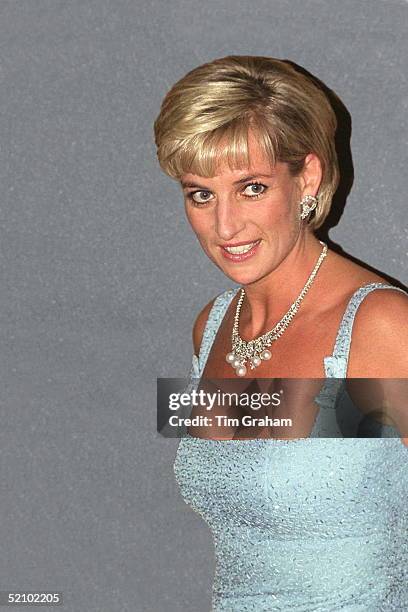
(101, 277)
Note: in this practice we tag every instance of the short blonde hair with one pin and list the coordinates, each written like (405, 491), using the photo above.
(223, 99)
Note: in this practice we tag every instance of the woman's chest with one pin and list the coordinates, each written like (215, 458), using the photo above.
(298, 353)
(314, 485)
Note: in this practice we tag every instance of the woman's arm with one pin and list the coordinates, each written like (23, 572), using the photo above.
(379, 346)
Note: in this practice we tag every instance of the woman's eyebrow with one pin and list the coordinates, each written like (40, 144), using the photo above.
(238, 182)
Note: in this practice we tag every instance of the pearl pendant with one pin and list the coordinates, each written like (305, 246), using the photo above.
(265, 355)
(236, 363)
(241, 371)
(256, 361)
(230, 358)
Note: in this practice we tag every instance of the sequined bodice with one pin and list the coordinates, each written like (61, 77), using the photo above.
(315, 524)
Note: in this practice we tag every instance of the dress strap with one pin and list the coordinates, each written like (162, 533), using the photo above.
(336, 364)
(216, 315)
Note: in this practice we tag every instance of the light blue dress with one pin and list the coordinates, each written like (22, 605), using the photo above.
(309, 525)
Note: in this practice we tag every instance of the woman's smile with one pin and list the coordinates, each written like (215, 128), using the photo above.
(240, 251)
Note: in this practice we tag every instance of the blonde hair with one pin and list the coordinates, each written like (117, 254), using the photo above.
(221, 100)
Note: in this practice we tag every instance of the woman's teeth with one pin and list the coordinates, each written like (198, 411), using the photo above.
(239, 250)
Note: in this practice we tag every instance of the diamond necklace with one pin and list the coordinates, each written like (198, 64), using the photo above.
(257, 350)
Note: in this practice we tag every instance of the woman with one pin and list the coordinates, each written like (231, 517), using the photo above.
(301, 523)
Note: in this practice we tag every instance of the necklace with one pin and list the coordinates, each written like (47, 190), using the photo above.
(257, 350)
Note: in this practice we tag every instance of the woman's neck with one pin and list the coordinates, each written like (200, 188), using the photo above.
(269, 298)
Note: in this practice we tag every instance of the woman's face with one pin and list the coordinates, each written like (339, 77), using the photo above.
(247, 221)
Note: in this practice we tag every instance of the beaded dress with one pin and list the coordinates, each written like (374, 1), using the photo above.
(316, 524)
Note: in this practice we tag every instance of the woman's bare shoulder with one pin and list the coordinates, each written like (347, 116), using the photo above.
(380, 336)
(379, 346)
(202, 317)
(378, 305)
(339, 279)
(349, 274)
(383, 312)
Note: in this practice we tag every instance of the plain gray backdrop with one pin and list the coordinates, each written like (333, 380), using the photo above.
(101, 277)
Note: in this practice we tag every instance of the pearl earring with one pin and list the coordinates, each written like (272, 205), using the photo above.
(308, 204)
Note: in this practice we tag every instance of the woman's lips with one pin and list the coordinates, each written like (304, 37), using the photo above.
(237, 257)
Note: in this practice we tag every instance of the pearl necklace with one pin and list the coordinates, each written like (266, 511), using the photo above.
(257, 350)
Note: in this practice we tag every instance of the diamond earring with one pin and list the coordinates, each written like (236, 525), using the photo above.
(308, 204)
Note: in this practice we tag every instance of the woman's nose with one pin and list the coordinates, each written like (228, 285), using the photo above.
(228, 221)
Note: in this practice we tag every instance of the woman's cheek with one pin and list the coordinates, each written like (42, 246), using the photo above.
(201, 228)
(281, 214)
(271, 218)
(195, 219)
(201, 225)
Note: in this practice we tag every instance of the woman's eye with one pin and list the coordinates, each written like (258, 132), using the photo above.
(255, 189)
(200, 197)
(252, 190)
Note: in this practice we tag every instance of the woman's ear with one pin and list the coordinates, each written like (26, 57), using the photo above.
(311, 175)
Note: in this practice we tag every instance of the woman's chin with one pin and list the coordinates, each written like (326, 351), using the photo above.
(240, 273)
(241, 277)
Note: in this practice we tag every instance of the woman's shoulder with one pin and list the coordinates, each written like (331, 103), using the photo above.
(220, 301)
(349, 274)
(350, 282)
(380, 334)
(377, 318)
(351, 278)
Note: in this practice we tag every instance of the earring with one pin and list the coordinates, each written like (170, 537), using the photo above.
(308, 204)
